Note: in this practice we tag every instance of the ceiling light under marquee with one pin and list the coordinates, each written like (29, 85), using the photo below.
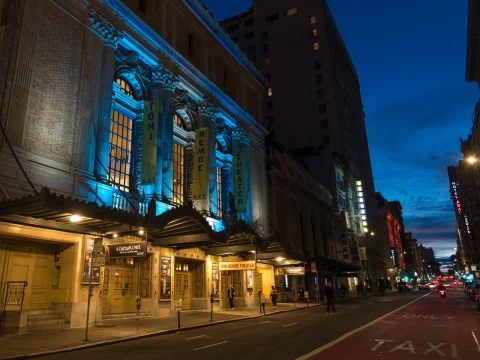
(75, 218)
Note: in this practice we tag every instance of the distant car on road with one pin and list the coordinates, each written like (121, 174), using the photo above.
(403, 286)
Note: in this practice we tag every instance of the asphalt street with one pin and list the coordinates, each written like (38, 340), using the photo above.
(283, 336)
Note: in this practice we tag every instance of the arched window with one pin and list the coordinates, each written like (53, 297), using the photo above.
(125, 87)
(121, 133)
(178, 166)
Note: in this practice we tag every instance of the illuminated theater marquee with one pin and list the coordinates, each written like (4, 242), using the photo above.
(363, 211)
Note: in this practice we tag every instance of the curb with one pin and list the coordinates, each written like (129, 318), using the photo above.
(147, 335)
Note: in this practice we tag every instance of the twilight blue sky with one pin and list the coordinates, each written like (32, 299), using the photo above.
(410, 57)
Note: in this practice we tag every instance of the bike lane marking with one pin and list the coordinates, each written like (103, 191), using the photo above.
(409, 332)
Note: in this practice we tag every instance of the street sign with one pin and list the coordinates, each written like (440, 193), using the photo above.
(98, 260)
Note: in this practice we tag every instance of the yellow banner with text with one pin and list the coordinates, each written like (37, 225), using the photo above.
(200, 165)
(149, 145)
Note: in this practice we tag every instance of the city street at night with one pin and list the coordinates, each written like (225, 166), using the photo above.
(434, 327)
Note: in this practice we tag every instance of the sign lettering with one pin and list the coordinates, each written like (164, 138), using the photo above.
(200, 164)
(239, 182)
(236, 265)
(344, 241)
(150, 140)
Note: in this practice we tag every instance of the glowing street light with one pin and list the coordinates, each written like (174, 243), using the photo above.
(472, 160)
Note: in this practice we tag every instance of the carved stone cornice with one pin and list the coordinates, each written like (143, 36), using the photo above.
(205, 107)
(129, 61)
(104, 28)
(241, 135)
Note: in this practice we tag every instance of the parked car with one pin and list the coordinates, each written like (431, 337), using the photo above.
(403, 286)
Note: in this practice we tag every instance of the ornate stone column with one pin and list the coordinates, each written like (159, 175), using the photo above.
(111, 38)
(157, 93)
(226, 188)
(241, 144)
(206, 118)
(170, 81)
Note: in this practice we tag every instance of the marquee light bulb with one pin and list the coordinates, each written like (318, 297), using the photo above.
(359, 183)
(359, 188)
(365, 230)
(362, 206)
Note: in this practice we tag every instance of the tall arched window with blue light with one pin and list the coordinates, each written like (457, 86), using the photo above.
(178, 166)
(120, 154)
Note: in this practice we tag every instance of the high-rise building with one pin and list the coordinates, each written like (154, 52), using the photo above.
(313, 105)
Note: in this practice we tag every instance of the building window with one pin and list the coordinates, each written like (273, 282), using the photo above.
(317, 64)
(142, 6)
(313, 20)
(324, 124)
(120, 150)
(322, 108)
(181, 267)
(249, 22)
(125, 87)
(269, 105)
(273, 17)
(326, 140)
(249, 35)
(190, 44)
(269, 92)
(267, 60)
(320, 94)
(265, 48)
(178, 121)
(251, 48)
(235, 39)
(219, 191)
(265, 35)
(178, 174)
(290, 12)
(232, 28)
(316, 46)
(319, 78)
(314, 32)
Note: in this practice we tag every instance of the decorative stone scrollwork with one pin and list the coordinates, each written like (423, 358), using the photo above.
(170, 81)
(104, 28)
(205, 107)
(241, 135)
(156, 72)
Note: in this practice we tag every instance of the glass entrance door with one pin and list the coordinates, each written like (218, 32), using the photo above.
(183, 289)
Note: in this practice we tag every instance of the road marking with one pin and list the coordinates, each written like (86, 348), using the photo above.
(354, 307)
(290, 324)
(204, 347)
(196, 337)
(265, 322)
(304, 314)
(478, 345)
(343, 337)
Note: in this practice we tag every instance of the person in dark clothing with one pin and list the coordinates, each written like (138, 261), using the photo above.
(329, 294)
(301, 294)
(231, 295)
(273, 296)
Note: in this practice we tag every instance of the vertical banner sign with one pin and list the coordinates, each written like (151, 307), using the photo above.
(200, 165)
(215, 280)
(239, 182)
(150, 139)
(342, 224)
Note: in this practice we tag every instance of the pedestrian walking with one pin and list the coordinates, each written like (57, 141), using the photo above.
(231, 295)
(273, 296)
(301, 294)
(329, 296)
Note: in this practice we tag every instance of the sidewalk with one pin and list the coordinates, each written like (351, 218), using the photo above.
(19, 345)
(111, 331)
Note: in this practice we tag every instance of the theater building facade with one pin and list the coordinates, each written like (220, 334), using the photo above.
(133, 163)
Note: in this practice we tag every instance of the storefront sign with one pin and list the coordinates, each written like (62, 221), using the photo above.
(200, 164)
(215, 280)
(458, 206)
(290, 271)
(138, 249)
(342, 224)
(467, 224)
(149, 144)
(394, 256)
(239, 182)
(88, 268)
(166, 277)
(236, 265)
(362, 253)
(98, 260)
